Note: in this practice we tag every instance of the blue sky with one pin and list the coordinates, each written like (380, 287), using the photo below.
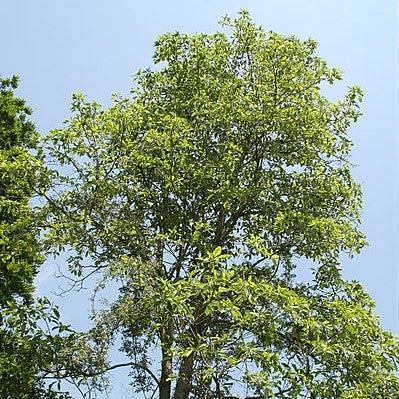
(95, 46)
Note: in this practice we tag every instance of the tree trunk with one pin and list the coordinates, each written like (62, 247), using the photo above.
(165, 385)
(166, 337)
(183, 384)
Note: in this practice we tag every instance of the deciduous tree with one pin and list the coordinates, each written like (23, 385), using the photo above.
(219, 198)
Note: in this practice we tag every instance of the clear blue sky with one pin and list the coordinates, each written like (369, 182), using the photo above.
(95, 46)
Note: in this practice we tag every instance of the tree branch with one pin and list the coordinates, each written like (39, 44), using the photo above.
(115, 366)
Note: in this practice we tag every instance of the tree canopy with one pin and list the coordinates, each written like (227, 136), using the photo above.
(19, 247)
(219, 199)
(28, 340)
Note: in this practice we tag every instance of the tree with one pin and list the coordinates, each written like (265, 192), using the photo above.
(20, 252)
(219, 198)
(19, 247)
(28, 341)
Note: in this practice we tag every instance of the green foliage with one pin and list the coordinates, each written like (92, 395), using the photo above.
(296, 341)
(29, 350)
(204, 197)
(19, 253)
(29, 345)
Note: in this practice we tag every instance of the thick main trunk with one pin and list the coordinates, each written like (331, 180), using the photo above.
(165, 385)
(166, 337)
(183, 383)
